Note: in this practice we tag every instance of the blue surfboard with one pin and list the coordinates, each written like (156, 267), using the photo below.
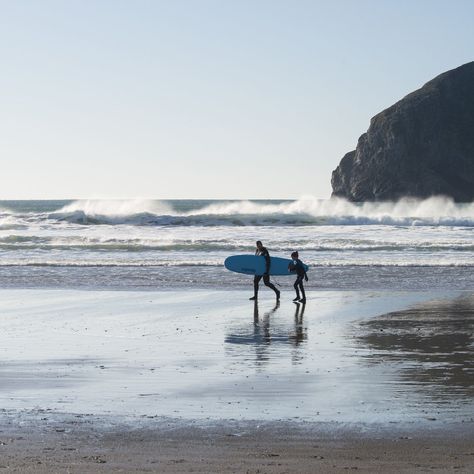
(253, 265)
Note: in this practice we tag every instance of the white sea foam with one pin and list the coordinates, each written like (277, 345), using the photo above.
(131, 244)
(432, 211)
(10, 222)
(305, 211)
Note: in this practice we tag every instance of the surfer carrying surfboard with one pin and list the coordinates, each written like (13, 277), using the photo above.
(262, 251)
(297, 266)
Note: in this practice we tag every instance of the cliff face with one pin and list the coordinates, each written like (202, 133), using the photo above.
(421, 146)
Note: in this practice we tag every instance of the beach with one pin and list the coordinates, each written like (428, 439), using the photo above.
(126, 346)
(207, 381)
(76, 446)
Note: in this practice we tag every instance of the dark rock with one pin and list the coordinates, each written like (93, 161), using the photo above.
(419, 147)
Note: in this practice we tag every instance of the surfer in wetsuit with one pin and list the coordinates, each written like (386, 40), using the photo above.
(298, 267)
(262, 251)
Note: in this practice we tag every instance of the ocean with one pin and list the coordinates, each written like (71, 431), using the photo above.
(151, 244)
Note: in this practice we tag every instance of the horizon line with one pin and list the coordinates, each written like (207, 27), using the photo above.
(160, 199)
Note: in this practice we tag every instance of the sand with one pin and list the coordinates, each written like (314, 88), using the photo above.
(273, 448)
(204, 381)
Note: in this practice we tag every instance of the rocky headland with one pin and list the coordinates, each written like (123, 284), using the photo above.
(419, 147)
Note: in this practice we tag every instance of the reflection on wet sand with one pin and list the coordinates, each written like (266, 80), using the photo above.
(430, 345)
(265, 333)
(300, 333)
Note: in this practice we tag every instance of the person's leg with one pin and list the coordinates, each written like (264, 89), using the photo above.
(303, 295)
(256, 281)
(295, 286)
(266, 280)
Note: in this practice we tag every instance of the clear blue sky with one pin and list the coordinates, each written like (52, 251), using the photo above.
(203, 98)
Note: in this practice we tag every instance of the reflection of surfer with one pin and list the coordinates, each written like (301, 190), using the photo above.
(299, 335)
(297, 267)
(265, 319)
(262, 251)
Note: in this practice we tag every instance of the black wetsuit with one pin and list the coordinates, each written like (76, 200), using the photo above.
(298, 268)
(266, 277)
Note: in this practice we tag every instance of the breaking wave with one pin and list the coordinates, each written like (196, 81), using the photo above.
(113, 212)
(434, 211)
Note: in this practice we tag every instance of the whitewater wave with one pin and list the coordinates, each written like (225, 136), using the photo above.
(135, 211)
(11, 222)
(435, 211)
(22, 242)
(432, 211)
(85, 264)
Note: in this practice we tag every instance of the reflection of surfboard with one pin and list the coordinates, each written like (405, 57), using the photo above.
(253, 265)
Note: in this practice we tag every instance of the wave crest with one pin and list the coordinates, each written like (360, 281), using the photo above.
(134, 211)
(434, 211)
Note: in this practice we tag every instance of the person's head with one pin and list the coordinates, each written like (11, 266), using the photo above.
(259, 245)
(294, 255)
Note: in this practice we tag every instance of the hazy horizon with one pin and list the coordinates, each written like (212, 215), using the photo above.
(206, 99)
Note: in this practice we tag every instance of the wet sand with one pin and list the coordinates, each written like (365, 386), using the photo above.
(273, 448)
(207, 381)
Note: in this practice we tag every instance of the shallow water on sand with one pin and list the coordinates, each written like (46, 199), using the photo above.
(345, 356)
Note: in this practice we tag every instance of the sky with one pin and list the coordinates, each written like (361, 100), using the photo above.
(215, 99)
